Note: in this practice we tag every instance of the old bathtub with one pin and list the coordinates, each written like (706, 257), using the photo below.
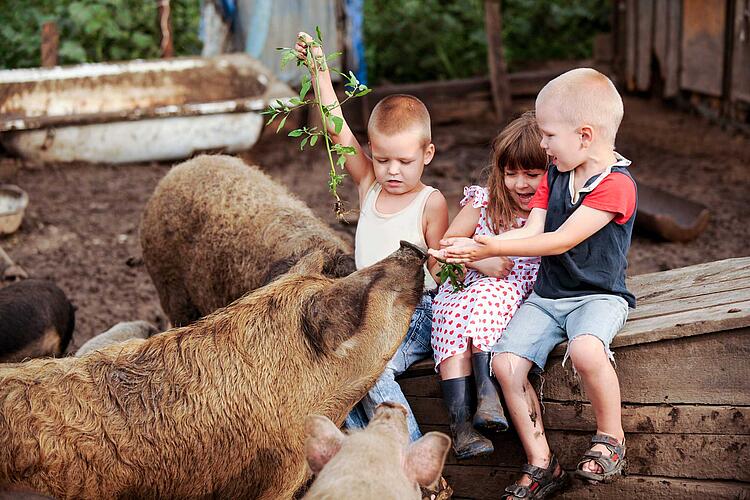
(137, 110)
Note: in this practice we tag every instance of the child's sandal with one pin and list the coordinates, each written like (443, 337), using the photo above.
(612, 466)
(544, 482)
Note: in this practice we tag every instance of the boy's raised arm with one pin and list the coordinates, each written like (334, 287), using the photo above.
(359, 166)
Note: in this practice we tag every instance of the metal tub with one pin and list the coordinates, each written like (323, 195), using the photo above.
(137, 110)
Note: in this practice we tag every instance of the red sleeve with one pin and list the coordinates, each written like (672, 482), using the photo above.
(615, 194)
(541, 197)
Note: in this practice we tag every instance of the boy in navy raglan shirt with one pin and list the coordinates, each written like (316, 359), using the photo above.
(581, 222)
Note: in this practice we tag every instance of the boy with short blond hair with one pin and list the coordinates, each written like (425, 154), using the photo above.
(581, 224)
(394, 205)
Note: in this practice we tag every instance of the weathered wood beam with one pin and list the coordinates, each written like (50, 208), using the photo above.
(493, 23)
(664, 419)
(50, 44)
(705, 369)
(165, 25)
(688, 456)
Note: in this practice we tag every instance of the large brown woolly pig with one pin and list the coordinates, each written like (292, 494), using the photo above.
(216, 228)
(214, 408)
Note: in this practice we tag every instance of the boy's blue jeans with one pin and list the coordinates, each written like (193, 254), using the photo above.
(416, 346)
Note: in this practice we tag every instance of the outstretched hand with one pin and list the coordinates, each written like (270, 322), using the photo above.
(461, 250)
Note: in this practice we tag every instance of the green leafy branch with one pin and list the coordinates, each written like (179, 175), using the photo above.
(312, 135)
(454, 273)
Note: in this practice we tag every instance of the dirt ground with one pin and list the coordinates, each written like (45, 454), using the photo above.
(81, 226)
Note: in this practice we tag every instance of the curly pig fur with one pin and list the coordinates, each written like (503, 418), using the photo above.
(216, 228)
(215, 408)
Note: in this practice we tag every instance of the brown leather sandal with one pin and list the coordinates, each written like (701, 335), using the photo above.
(544, 482)
(612, 466)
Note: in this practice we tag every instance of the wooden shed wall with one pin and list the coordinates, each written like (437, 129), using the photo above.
(699, 49)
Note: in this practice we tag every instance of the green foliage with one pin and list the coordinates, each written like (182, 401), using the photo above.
(454, 273)
(352, 88)
(93, 31)
(559, 29)
(418, 40)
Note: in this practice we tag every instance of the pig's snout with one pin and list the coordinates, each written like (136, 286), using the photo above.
(413, 250)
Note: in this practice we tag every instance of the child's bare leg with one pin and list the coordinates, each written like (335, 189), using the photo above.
(523, 406)
(458, 365)
(602, 388)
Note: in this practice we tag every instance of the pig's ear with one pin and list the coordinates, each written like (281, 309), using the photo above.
(323, 441)
(335, 313)
(311, 263)
(425, 458)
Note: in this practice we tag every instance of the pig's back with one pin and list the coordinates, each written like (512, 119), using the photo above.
(218, 227)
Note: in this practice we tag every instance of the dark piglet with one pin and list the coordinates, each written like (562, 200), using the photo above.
(36, 320)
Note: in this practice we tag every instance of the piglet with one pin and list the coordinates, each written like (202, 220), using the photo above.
(377, 463)
(121, 332)
(36, 320)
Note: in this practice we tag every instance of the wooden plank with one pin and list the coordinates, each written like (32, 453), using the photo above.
(165, 26)
(705, 369)
(619, 31)
(703, 40)
(50, 43)
(740, 90)
(522, 83)
(689, 456)
(487, 482)
(660, 419)
(682, 324)
(644, 44)
(673, 27)
(493, 24)
(688, 292)
(661, 33)
(703, 301)
(697, 301)
(648, 287)
(708, 369)
(631, 40)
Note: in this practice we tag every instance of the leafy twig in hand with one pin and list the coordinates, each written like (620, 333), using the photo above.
(353, 88)
(453, 273)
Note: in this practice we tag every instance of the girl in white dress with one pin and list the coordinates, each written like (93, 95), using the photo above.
(467, 323)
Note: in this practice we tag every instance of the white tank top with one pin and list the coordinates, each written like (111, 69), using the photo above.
(378, 235)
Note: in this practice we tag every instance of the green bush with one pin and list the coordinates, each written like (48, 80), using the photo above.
(417, 40)
(92, 31)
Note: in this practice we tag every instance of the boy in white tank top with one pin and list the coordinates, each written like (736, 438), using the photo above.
(394, 205)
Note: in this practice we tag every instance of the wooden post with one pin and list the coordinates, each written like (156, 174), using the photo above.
(50, 42)
(165, 24)
(498, 71)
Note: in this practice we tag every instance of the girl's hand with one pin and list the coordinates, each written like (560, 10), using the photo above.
(456, 241)
(494, 267)
(463, 250)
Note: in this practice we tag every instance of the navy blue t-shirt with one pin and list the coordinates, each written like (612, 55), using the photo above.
(597, 264)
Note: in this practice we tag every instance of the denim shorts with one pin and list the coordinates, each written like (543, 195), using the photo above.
(541, 324)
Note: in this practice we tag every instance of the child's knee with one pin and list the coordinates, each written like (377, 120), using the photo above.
(510, 369)
(587, 353)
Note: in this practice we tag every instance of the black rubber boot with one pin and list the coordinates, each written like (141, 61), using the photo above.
(489, 415)
(458, 394)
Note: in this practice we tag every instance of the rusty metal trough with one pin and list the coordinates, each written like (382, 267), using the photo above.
(137, 110)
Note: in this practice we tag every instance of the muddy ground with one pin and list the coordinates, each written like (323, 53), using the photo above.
(81, 226)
